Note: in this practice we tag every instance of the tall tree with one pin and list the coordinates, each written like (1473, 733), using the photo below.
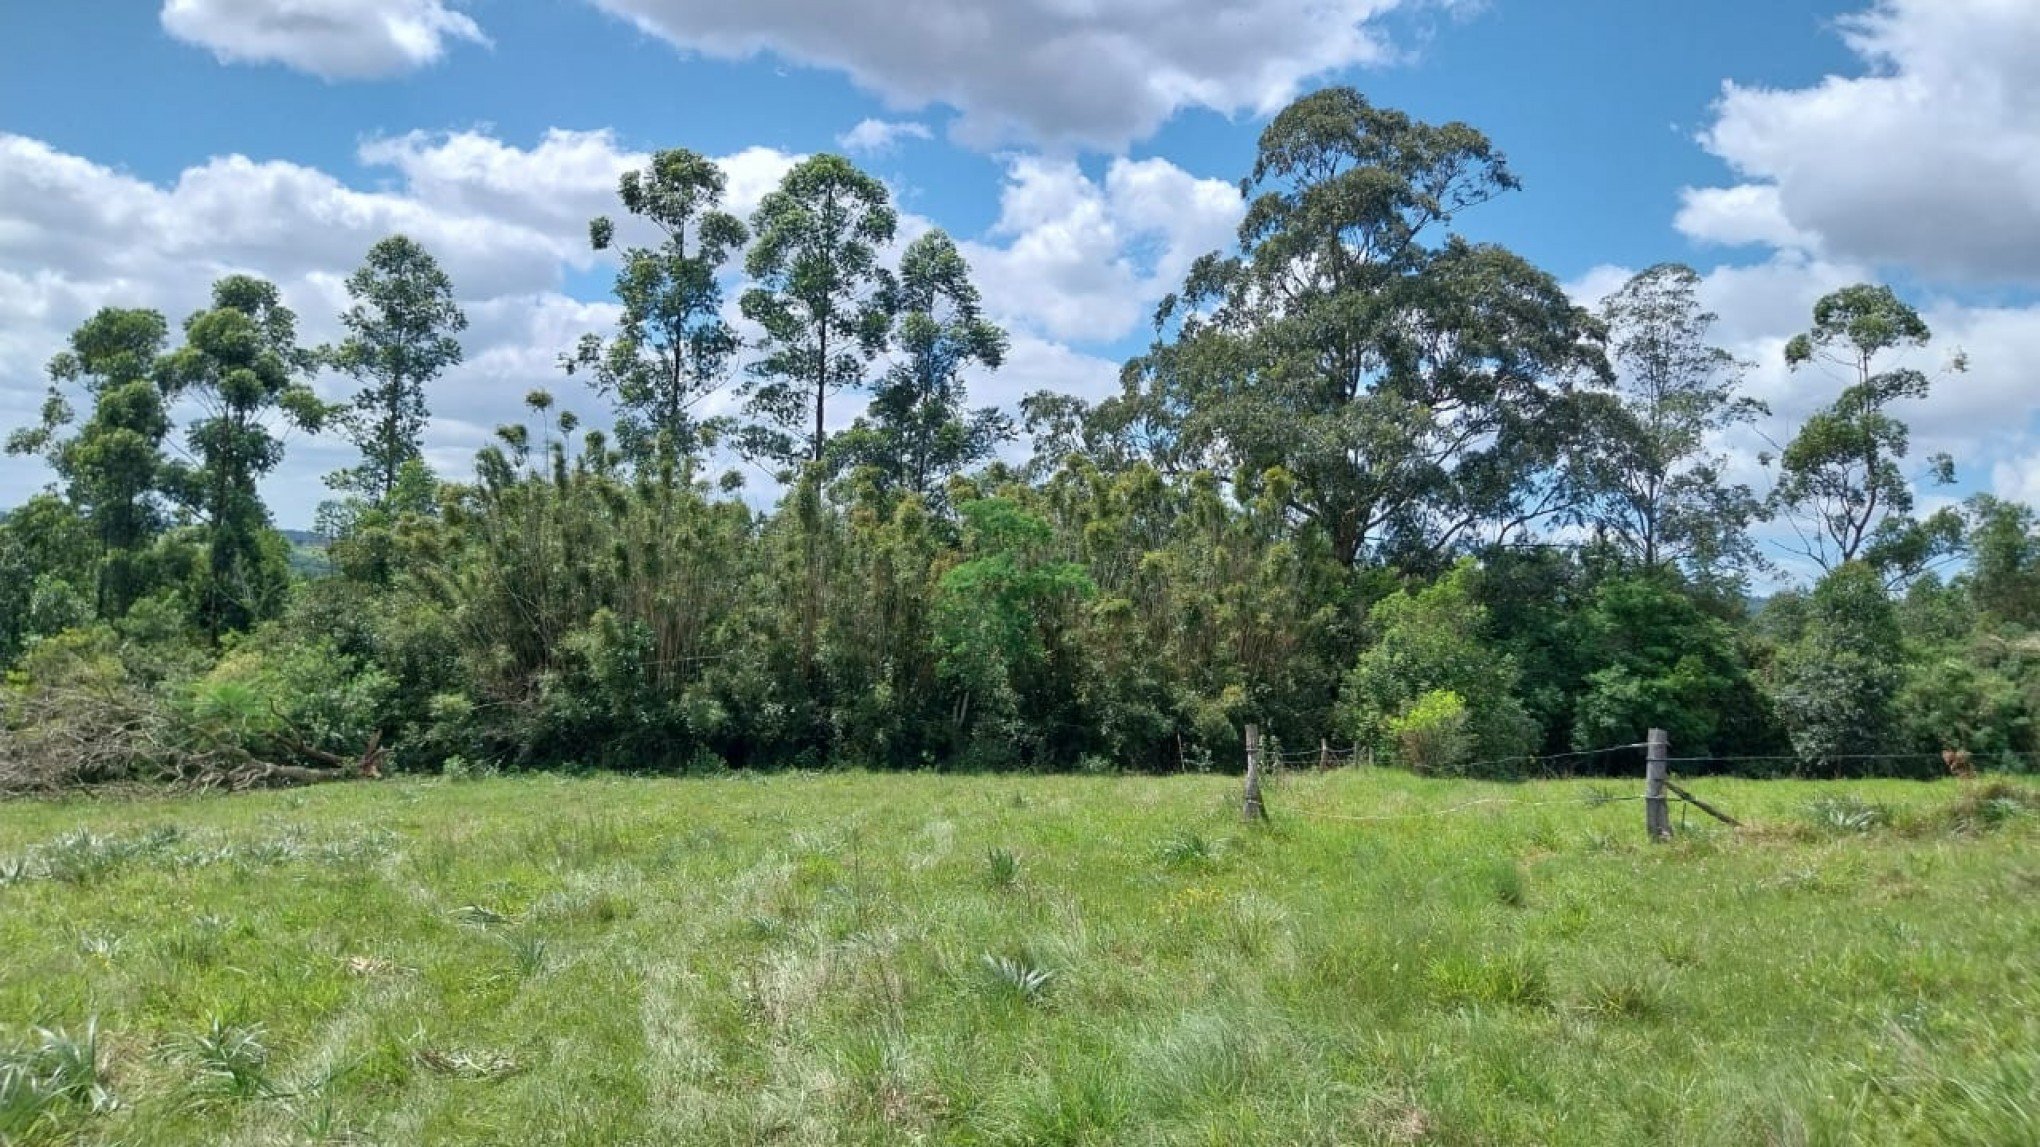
(1834, 685)
(1840, 482)
(242, 365)
(672, 347)
(823, 297)
(2004, 546)
(401, 334)
(918, 431)
(1410, 383)
(113, 465)
(1659, 494)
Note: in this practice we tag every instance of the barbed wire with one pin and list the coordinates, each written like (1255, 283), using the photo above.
(1590, 801)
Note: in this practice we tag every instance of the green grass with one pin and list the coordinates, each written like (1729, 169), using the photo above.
(883, 958)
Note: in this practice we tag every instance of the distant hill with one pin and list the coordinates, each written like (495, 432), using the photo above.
(308, 557)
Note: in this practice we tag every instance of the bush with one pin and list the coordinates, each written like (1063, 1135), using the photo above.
(1427, 646)
(1433, 735)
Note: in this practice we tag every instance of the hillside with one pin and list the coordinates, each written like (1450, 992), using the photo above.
(884, 958)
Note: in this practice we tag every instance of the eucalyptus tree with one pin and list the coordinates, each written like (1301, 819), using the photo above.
(242, 366)
(823, 297)
(672, 348)
(1840, 480)
(1660, 494)
(401, 335)
(113, 465)
(1413, 384)
(918, 431)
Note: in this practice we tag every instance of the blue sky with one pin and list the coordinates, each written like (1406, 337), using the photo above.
(1083, 153)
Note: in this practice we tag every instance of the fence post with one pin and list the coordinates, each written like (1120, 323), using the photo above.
(1657, 813)
(1252, 809)
(1324, 754)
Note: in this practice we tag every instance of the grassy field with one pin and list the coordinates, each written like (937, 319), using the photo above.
(887, 958)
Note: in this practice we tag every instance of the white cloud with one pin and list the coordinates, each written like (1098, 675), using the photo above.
(1734, 216)
(332, 39)
(1086, 260)
(1101, 72)
(2017, 479)
(1930, 161)
(878, 136)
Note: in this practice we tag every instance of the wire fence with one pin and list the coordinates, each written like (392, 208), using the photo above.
(1662, 787)
(1268, 756)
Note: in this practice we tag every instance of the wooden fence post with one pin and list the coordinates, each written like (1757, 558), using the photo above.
(1252, 809)
(1657, 813)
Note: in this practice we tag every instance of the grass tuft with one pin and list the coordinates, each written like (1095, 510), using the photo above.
(51, 1080)
(1017, 977)
(228, 1061)
(1506, 883)
(1187, 850)
(1991, 806)
(1513, 977)
(528, 953)
(1845, 813)
(1002, 868)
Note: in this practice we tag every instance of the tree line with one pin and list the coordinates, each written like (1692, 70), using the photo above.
(1371, 483)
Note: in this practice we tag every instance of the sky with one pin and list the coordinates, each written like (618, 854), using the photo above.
(1082, 152)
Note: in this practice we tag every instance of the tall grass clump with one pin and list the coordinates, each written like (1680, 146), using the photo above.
(51, 1079)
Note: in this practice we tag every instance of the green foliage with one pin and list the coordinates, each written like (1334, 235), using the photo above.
(401, 335)
(1663, 664)
(241, 365)
(113, 466)
(997, 619)
(1427, 659)
(274, 696)
(1840, 477)
(917, 433)
(823, 299)
(1653, 489)
(1433, 734)
(1398, 373)
(1322, 502)
(2004, 542)
(1835, 685)
(672, 347)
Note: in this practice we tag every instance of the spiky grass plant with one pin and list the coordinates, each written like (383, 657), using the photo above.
(50, 1080)
(1016, 977)
(1002, 868)
(227, 1061)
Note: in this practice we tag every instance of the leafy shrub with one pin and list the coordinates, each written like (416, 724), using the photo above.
(1427, 651)
(1434, 734)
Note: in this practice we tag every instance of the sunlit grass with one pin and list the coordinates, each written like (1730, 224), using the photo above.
(875, 958)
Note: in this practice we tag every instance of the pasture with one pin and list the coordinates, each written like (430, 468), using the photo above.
(885, 958)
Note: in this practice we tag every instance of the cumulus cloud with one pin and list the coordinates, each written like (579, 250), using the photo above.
(1930, 160)
(1103, 72)
(1086, 260)
(332, 39)
(878, 136)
